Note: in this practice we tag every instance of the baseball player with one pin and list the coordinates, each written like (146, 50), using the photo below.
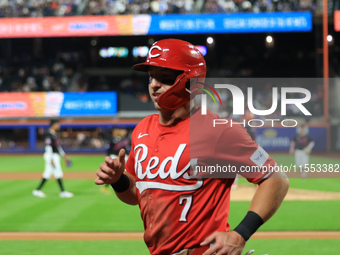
(301, 146)
(118, 140)
(184, 213)
(52, 154)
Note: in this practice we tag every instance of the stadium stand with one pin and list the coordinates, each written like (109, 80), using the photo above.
(40, 8)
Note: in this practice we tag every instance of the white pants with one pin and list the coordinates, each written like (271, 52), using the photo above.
(52, 168)
(301, 158)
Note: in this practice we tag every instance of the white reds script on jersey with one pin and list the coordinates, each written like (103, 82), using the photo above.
(178, 211)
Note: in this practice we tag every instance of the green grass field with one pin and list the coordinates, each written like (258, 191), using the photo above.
(92, 211)
(270, 247)
(35, 163)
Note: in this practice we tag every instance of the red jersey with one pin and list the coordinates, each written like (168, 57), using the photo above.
(179, 211)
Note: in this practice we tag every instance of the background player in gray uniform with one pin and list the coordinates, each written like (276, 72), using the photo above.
(301, 146)
(52, 154)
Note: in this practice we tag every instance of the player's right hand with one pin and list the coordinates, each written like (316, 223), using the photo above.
(224, 243)
(111, 169)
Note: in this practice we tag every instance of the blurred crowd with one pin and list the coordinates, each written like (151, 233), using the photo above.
(65, 73)
(256, 6)
(40, 8)
(46, 8)
(64, 77)
(70, 138)
(26, 75)
(58, 77)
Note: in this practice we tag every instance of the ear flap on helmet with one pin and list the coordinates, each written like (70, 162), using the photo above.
(177, 95)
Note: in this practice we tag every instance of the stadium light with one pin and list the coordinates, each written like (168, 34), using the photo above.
(93, 42)
(269, 39)
(151, 41)
(329, 38)
(210, 40)
(110, 52)
(140, 51)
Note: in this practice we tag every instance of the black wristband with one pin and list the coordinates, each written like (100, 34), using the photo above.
(122, 184)
(248, 226)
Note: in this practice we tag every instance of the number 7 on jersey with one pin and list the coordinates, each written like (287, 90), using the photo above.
(186, 207)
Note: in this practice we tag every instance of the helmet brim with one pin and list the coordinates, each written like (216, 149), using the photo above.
(142, 67)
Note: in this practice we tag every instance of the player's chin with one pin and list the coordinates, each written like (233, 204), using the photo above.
(157, 105)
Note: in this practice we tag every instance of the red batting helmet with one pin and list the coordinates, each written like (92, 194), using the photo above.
(178, 55)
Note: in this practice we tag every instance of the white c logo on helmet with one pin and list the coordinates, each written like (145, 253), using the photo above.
(154, 55)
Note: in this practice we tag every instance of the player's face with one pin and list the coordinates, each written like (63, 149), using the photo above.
(56, 126)
(160, 80)
(303, 131)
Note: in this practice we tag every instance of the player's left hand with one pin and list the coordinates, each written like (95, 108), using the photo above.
(68, 162)
(225, 243)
